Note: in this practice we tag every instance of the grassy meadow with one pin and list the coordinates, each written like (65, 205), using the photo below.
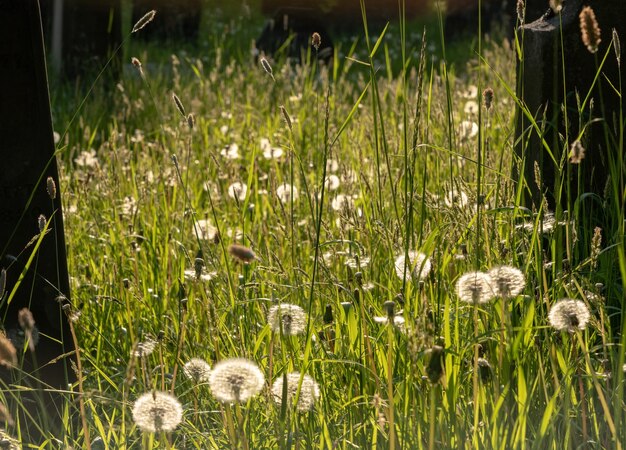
(207, 192)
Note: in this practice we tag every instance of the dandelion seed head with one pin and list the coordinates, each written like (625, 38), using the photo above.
(284, 193)
(342, 202)
(470, 92)
(569, 315)
(475, 287)
(457, 198)
(467, 129)
(157, 411)
(230, 151)
(238, 191)
(287, 318)
(197, 370)
(418, 265)
(144, 348)
(556, 5)
(507, 281)
(471, 107)
(236, 380)
(332, 182)
(206, 230)
(309, 392)
(398, 321)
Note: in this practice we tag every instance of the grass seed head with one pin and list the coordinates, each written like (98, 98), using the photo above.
(521, 11)
(266, 66)
(236, 380)
(488, 98)
(3, 282)
(242, 253)
(556, 5)
(41, 222)
(145, 20)
(287, 118)
(569, 315)
(157, 411)
(309, 392)
(434, 370)
(51, 188)
(8, 354)
(179, 105)
(589, 29)
(316, 41)
(475, 287)
(576, 153)
(617, 47)
(287, 319)
(596, 247)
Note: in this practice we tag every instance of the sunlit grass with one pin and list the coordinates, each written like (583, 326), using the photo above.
(366, 165)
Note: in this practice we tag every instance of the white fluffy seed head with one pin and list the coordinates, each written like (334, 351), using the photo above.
(157, 411)
(287, 318)
(236, 380)
(508, 281)
(475, 287)
(197, 370)
(569, 315)
(418, 265)
(309, 392)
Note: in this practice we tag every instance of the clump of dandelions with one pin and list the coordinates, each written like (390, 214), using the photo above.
(418, 265)
(569, 315)
(309, 392)
(197, 370)
(287, 319)
(236, 380)
(157, 411)
(507, 281)
(475, 287)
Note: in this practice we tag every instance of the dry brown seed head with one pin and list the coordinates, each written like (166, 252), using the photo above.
(25, 319)
(488, 98)
(8, 355)
(521, 11)
(242, 253)
(3, 281)
(316, 40)
(577, 152)
(589, 29)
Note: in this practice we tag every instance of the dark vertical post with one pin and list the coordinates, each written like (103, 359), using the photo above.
(555, 69)
(28, 159)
